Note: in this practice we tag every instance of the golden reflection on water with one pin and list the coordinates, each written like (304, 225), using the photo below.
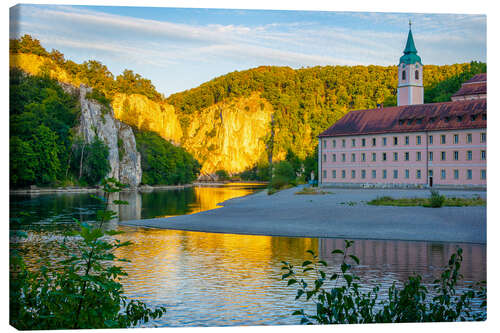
(211, 197)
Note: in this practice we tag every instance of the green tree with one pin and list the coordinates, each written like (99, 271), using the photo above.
(45, 150)
(90, 161)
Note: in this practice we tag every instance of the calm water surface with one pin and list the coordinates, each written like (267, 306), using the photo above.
(208, 279)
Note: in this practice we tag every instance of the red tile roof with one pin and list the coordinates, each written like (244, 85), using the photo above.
(475, 86)
(462, 114)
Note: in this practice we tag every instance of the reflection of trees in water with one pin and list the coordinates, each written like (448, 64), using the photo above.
(405, 258)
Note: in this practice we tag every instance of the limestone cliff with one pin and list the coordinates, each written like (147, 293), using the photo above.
(229, 135)
(124, 159)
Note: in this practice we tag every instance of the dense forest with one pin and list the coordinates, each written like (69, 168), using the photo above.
(305, 101)
(162, 162)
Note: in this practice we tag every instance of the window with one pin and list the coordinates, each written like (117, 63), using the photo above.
(363, 174)
(420, 121)
(353, 157)
(353, 174)
(443, 156)
(374, 174)
(455, 138)
(401, 121)
(353, 142)
(431, 173)
(455, 174)
(460, 118)
(483, 174)
(483, 137)
(432, 120)
(407, 140)
(363, 142)
(343, 173)
(363, 157)
(324, 173)
(455, 155)
(395, 174)
(334, 157)
(443, 174)
(419, 174)
(334, 173)
(384, 174)
(469, 138)
(384, 156)
(334, 143)
(416, 75)
(324, 143)
(419, 156)
(374, 142)
(343, 143)
(469, 155)
(395, 156)
(374, 157)
(343, 157)
(483, 155)
(407, 156)
(431, 139)
(324, 157)
(431, 156)
(483, 116)
(419, 140)
(403, 75)
(473, 117)
(395, 140)
(409, 121)
(384, 141)
(407, 173)
(443, 139)
(446, 119)
(469, 174)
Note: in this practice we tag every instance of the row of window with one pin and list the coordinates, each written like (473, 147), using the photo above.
(395, 140)
(406, 174)
(406, 156)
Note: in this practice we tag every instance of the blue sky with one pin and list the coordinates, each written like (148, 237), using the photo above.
(179, 49)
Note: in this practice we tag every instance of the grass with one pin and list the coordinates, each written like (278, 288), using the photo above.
(312, 190)
(426, 202)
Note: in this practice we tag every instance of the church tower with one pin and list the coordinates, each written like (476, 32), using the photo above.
(410, 75)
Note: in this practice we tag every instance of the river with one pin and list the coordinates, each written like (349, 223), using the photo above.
(209, 279)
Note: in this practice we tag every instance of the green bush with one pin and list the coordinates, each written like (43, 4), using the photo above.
(222, 175)
(284, 169)
(436, 200)
(83, 290)
(346, 303)
(278, 182)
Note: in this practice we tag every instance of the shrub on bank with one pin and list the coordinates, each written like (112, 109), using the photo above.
(347, 303)
(84, 290)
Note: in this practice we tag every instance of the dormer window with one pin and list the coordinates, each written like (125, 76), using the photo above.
(473, 117)
(459, 119)
(401, 121)
(419, 121)
(409, 121)
(483, 116)
(446, 119)
(432, 120)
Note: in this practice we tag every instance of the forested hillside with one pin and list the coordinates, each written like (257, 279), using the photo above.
(277, 109)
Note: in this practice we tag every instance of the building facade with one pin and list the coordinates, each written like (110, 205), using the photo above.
(412, 144)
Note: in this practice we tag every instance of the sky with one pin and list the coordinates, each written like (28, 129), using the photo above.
(180, 48)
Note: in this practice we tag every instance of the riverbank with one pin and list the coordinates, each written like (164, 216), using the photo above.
(343, 213)
(142, 188)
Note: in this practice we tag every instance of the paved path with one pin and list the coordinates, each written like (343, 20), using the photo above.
(341, 214)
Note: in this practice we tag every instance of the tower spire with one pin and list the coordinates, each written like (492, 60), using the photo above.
(410, 52)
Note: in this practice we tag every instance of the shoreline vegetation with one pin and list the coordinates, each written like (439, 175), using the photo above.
(434, 201)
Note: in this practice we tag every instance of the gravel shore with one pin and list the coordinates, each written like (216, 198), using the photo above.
(343, 213)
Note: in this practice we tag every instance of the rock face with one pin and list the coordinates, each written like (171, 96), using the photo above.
(124, 159)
